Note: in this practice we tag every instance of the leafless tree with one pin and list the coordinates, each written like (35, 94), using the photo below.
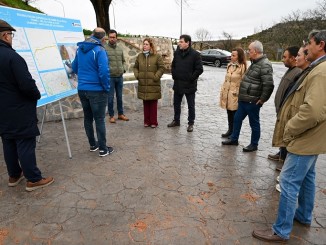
(202, 35)
(227, 40)
(319, 12)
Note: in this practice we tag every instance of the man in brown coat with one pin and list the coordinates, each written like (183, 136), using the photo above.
(301, 128)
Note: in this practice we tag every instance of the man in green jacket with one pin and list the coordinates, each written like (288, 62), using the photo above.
(117, 62)
(301, 128)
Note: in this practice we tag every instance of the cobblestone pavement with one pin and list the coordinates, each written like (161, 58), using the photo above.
(160, 186)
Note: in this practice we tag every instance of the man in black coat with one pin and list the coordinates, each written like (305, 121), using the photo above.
(186, 68)
(18, 121)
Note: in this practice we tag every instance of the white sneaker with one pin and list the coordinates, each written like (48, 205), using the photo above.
(278, 178)
(278, 188)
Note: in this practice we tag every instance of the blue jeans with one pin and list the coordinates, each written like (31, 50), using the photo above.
(297, 181)
(177, 99)
(94, 105)
(116, 84)
(252, 111)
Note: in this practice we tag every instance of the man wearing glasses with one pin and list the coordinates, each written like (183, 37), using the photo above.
(18, 121)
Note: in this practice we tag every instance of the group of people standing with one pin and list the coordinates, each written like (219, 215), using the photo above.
(300, 127)
(186, 68)
(300, 104)
(99, 66)
(251, 88)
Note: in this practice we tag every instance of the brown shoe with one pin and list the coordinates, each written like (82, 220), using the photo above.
(274, 157)
(267, 235)
(30, 186)
(174, 124)
(112, 120)
(190, 128)
(15, 181)
(123, 118)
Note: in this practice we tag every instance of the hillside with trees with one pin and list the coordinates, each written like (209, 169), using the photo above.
(291, 30)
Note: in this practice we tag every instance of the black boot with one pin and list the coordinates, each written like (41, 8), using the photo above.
(230, 122)
(227, 134)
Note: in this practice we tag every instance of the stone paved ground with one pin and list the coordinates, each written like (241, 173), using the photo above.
(160, 186)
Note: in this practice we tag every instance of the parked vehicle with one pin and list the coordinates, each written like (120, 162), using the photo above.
(217, 57)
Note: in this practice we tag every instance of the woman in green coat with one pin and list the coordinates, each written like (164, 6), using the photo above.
(148, 70)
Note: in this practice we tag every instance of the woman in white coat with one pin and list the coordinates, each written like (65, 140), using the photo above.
(230, 88)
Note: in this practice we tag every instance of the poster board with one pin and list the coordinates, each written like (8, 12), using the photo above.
(48, 44)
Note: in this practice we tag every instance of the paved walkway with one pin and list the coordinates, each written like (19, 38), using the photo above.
(160, 186)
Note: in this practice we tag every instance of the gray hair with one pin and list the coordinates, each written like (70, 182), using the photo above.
(258, 46)
(318, 36)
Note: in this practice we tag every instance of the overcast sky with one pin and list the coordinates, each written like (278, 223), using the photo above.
(239, 18)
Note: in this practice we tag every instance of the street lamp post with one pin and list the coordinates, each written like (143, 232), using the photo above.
(113, 15)
(181, 18)
(63, 8)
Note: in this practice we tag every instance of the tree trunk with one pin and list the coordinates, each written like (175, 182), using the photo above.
(101, 8)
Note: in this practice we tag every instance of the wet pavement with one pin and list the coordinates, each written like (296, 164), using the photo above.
(160, 186)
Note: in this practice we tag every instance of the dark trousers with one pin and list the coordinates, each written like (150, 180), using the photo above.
(177, 99)
(19, 155)
(230, 119)
(150, 112)
(283, 153)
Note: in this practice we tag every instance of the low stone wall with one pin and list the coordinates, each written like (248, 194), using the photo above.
(131, 101)
(72, 108)
(131, 48)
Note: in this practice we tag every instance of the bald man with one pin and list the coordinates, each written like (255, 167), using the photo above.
(92, 67)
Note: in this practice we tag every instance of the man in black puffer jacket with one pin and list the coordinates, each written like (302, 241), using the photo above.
(255, 89)
(186, 68)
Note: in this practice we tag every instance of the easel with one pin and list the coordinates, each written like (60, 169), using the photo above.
(64, 127)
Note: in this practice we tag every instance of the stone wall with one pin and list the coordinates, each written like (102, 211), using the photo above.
(71, 105)
(132, 46)
(72, 108)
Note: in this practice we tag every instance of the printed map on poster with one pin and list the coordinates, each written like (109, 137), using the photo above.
(48, 45)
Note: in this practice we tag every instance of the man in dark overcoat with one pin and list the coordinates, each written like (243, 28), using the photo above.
(18, 121)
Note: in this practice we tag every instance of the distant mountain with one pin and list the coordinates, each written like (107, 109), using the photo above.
(282, 35)
(275, 39)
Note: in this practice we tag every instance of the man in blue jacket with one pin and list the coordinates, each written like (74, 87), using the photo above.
(18, 121)
(92, 67)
